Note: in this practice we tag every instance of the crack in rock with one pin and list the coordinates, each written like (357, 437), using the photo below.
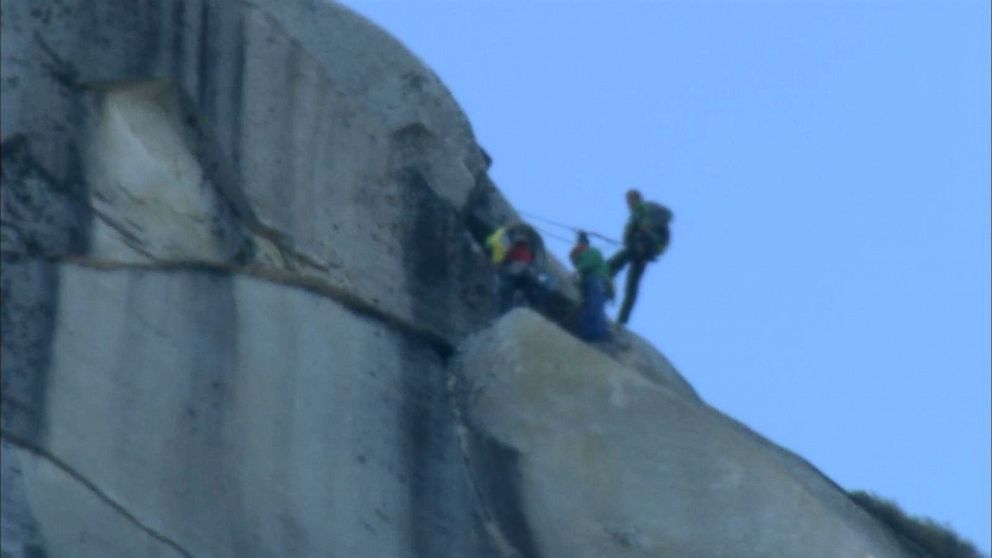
(491, 523)
(46, 455)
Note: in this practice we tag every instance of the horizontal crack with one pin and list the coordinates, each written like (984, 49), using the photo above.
(438, 342)
(289, 254)
(43, 453)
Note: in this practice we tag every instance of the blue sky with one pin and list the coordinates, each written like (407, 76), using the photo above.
(828, 164)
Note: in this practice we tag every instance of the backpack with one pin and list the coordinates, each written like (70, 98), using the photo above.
(656, 216)
(654, 220)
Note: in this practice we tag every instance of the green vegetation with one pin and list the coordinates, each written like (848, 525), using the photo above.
(922, 537)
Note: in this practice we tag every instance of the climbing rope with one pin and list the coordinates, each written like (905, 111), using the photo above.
(546, 233)
(567, 227)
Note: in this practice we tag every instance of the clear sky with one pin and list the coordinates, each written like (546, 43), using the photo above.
(828, 164)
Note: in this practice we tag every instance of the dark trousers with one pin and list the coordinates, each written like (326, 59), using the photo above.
(637, 266)
(518, 287)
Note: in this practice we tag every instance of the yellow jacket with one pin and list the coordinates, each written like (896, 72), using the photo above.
(498, 244)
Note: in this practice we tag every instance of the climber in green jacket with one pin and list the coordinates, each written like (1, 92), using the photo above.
(645, 238)
(596, 286)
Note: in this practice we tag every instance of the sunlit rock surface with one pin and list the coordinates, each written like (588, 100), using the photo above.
(611, 464)
(241, 245)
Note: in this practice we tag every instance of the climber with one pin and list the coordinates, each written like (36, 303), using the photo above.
(518, 252)
(644, 239)
(596, 287)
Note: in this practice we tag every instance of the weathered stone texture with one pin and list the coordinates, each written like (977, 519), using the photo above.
(232, 416)
(240, 243)
(616, 465)
(290, 135)
(209, 165)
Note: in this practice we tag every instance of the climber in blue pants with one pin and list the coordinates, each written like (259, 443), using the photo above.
(596, 287)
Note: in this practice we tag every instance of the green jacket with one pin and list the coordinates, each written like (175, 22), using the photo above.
(590, 263)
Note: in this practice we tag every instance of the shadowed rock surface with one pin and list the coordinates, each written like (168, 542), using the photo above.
(241, 244)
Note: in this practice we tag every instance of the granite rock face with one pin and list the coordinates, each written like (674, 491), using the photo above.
(242, 291)
(216, 414)
(613, 464)
(235, 261)
(292, 137)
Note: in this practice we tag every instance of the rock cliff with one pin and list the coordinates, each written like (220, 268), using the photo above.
(245, 312)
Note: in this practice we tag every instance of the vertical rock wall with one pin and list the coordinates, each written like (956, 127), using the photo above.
(234, 265)
(213, 414)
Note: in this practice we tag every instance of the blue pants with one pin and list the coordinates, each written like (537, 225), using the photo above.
(592, 317)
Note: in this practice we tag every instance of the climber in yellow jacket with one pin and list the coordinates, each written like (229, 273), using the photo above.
(517, 249)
